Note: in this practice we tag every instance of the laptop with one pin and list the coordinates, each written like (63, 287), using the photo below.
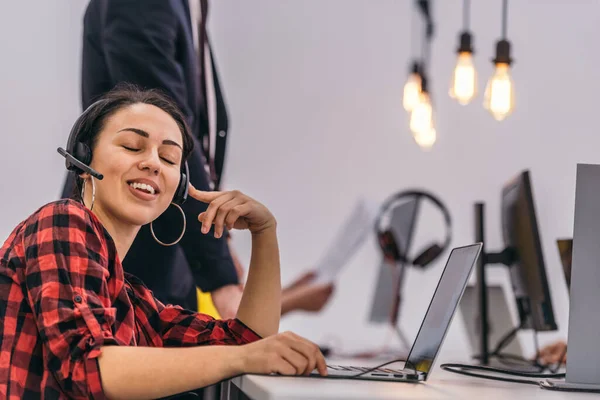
(432, 332)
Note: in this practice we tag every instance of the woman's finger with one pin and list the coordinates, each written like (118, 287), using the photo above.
(222, 213)
(233, 216)
(296, 359)
(311, 351)
(236, 212)
(200, 195)
(283, 367)
(212, 209)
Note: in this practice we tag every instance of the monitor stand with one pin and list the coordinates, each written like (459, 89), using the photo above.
(583, 373)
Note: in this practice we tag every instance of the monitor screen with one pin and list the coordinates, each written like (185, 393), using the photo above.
(442, 307)
(401, 223)
(527, 272)
(565, 249)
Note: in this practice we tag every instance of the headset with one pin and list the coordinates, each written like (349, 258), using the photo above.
(78, 155)
(387, 241)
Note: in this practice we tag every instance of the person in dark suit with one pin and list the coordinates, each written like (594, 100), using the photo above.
(163, 44)
(156, 44)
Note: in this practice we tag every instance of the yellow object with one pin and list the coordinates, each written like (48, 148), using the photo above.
(205, 304)
(464, 79)
(500, 94)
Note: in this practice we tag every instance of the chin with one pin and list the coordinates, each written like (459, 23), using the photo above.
(136, 215)
(139, 213)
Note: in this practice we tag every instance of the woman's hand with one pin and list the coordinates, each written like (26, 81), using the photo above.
(285, 353)
(233, 210)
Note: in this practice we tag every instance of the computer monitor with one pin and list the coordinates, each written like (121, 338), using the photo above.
(384, 307)
(528, 270)
(565, 250)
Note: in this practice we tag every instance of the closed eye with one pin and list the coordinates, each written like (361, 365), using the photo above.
(168, 161)
(130, 148)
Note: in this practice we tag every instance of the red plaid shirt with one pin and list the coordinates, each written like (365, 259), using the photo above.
(64, 295)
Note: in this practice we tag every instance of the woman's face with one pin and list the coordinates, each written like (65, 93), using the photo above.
(139, 151)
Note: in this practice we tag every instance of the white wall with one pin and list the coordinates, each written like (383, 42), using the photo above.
(315, 87)
(314, 90)
(39, 101)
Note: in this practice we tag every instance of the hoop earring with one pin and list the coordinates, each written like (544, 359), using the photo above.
(182, 232)
(93, 192)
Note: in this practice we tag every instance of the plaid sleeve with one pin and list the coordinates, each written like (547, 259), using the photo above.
(180, 327)
(67, 291)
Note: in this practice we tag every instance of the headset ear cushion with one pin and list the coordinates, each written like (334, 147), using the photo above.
(83, 153)
(428, 255)
(182, 190)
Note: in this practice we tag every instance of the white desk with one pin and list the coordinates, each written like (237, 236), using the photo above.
(443, 386)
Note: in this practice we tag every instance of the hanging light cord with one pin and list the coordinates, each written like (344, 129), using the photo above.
(424, 8)
(413, 51)
(466, 12)
(504, 18)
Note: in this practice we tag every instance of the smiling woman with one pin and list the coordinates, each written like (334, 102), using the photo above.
(75, 325)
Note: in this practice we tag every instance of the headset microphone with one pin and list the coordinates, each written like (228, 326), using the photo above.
(79, 164)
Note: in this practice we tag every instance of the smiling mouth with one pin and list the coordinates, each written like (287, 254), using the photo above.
(142, 187)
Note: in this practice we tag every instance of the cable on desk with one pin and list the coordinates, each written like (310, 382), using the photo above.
(464, 369)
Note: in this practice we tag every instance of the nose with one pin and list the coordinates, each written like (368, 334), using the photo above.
(151, 164)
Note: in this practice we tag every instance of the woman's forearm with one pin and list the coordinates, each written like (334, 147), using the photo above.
(260, 308)
(147, 372)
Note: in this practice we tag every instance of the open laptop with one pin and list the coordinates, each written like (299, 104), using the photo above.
(433, 329)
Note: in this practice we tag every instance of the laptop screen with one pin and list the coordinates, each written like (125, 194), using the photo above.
(442, 307)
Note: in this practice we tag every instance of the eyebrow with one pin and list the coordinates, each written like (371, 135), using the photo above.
(146, 135)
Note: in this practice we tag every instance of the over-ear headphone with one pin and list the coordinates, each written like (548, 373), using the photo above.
(388, 242)
(78, 155)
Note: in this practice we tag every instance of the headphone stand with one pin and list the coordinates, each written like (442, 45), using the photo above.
(506, 257)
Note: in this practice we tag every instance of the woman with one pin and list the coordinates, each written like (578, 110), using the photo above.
(74, 325)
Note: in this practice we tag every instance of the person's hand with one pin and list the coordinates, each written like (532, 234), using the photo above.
(306, 296)
(285, 353)
(554, 353)
(302, 280)
(233, 210)
(227, 300)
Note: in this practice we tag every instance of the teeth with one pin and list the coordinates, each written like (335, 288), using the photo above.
(142, 186)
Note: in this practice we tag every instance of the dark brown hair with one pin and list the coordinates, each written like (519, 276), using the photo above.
(92, 121)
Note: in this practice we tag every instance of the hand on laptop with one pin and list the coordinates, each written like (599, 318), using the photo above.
(554, 353)
(285, 354)
(305, 295)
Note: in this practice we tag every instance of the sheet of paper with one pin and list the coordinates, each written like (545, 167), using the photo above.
(350, 236)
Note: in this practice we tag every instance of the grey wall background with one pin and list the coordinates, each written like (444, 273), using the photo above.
(315, 95)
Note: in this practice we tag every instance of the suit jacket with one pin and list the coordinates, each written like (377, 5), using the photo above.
(150, 43)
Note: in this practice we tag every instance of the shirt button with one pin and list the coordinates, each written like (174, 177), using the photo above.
(222, 133)
(78, 299)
